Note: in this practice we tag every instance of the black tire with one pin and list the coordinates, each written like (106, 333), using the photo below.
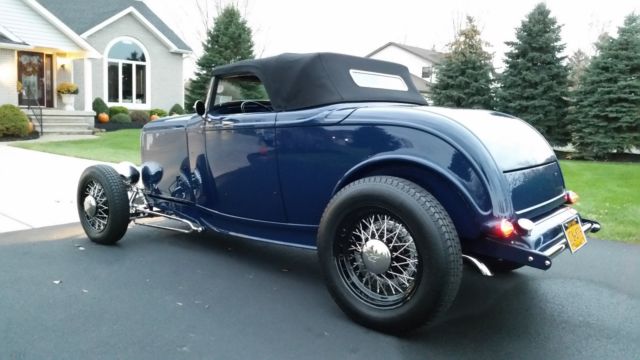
(499, 265)
(425, 289)
(107, 221)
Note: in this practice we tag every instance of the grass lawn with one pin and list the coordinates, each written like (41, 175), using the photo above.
(114, 146)
(610, 194)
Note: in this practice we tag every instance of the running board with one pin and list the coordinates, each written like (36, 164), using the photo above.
(484, 270)
(192, 227)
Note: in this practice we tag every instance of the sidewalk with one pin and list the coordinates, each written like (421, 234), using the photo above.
(38, 189)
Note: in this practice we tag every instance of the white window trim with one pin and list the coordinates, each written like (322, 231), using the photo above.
(105, 76)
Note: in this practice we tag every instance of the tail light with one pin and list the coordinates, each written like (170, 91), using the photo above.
(505, 229)
(571, 197)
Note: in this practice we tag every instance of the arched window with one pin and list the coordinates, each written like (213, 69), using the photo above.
(127, 72)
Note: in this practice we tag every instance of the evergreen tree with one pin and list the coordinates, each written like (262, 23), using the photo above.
(228, 41)
(534, 85)
(607, 106)
(465, 77)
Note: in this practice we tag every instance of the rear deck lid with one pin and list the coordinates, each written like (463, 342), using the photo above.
(521, 152)
(513, 143)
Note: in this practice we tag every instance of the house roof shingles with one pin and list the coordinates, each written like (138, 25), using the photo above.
(430, 55)
(83, 15)
(6, 40)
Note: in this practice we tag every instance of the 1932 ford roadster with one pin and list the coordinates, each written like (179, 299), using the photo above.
(341, 154)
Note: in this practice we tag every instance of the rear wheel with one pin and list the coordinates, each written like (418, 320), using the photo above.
(103, 204)
(389, 253)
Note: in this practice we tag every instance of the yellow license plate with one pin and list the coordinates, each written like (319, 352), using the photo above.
(575, 235)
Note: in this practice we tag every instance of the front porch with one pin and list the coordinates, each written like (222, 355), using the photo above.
(57, 121)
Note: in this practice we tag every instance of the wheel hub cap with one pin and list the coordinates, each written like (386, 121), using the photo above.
(379, 260)
(90, 205)
(376, 256)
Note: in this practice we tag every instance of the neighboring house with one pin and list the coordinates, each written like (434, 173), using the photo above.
(118, 50)
(419, 61)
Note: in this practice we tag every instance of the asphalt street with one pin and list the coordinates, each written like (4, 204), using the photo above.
(162, 295)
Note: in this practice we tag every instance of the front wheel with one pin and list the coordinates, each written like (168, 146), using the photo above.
(103, 204)
(389, 253)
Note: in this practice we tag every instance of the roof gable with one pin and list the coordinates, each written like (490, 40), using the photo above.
(432, 56)
(88, 16)
(7, 43)
(10, 40)
(27, 23)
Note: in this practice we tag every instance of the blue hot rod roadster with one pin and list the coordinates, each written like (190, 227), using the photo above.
(341, 154)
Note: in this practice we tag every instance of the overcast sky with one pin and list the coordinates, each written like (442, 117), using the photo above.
(358, 27)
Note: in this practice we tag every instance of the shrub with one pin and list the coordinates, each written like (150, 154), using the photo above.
(159, 112)
(139, 116)
(13, 122)
(176, 110)
(99, 106)
(115, 110)
(121, 119)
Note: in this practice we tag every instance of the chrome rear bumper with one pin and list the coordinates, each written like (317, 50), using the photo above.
(544, 241)
(555, 250)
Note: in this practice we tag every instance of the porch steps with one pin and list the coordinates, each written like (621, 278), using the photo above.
(56, 121)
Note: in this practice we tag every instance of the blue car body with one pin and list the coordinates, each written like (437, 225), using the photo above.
(269, 176)
(342, 154)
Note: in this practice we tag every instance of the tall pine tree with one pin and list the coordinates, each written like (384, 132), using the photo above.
(465, 77)
(228, 41)
(607, 102)
(534, 85)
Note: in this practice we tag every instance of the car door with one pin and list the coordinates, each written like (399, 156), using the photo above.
(239, 142)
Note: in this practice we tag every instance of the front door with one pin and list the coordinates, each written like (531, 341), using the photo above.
(35, 73)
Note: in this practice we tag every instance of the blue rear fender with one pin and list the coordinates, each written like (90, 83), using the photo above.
(441, 156)
(446, 144)
(466, 200)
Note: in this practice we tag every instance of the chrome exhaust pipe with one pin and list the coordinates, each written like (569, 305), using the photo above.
(590, 226)
(482, 268)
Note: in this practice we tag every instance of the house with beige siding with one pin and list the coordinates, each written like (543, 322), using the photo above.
(118, 50)
(419, 61)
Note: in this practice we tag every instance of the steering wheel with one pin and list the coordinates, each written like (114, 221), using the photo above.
(242, 105)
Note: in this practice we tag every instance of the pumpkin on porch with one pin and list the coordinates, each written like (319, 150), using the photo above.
(103, 118)
(154, 117)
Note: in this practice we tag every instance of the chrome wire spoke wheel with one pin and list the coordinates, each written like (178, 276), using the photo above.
(389, 253)
(96, 206)
(103, 204)
(378, 260)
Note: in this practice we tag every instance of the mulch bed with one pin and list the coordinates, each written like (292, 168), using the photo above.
(116, 126)
(614, 157)
(32, 136)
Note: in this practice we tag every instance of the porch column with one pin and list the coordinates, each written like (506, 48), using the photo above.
(8, 77)
(88, 84)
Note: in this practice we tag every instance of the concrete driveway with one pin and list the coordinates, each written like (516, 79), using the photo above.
(164, 295)
(37, 189)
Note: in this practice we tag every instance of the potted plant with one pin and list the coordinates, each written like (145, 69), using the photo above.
(67, 91)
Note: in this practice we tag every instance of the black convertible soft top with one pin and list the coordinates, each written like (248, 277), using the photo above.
(298, 81)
